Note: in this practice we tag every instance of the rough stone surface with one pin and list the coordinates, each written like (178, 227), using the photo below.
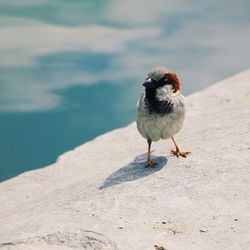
(100, 196)
(61, 241)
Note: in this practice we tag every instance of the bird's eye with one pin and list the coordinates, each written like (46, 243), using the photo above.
(166, 80)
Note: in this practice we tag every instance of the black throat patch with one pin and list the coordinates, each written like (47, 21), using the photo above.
(163, 107)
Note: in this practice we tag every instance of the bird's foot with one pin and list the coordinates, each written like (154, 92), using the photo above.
(178, 153)
(150, 164)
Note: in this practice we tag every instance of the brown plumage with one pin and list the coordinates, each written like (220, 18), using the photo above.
(173, 78)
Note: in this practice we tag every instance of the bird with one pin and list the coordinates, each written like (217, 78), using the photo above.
(161, 109)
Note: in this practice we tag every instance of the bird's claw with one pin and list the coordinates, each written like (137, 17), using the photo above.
(177, 153)
(150, 164)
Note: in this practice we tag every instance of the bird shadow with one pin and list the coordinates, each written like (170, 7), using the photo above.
(134, 170)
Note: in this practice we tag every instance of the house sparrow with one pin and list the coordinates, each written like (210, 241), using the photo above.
(161, 109)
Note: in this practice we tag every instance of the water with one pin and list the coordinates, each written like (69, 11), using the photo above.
(72, 70)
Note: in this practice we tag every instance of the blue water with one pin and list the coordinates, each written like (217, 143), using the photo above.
(72, 70)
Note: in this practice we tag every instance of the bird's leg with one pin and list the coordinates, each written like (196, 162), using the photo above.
(150, 163)
(177, 151)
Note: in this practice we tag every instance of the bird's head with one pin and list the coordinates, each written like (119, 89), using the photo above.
(159, 77)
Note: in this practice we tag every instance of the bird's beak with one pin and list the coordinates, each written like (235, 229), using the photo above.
(148, 83)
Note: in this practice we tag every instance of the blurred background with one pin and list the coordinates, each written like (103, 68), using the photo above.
(72, 70)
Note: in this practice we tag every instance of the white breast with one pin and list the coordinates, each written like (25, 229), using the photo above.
(154, 126)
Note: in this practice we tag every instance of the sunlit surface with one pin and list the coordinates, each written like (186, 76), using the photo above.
(72, 70)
